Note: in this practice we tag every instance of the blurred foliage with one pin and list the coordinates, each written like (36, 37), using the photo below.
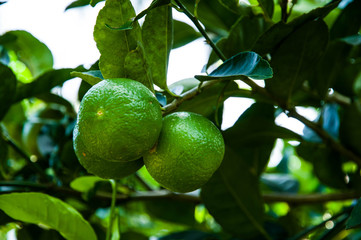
(309, 52)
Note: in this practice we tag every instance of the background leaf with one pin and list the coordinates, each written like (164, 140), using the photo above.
(114, 45)
(157, 32)
(355, 218)
(43, 83)
(40, 208)
(35, 54)
(7, 89)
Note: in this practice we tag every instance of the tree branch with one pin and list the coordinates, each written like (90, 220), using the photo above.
(296, 199)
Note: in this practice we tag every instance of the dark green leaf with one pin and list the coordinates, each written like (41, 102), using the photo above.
(355, 218)
(215, 16)
(293, 62)
(233, 198)
(248, 64)
(330, 67)
(7, 89)
(3, 149)
(39, 208)
(190, 235)
(172, 211)
(350, 17)
(350, 131)
(254, 134)
(267, 7)
(137, 68)
(92, 77)
(242, 37)
(154, 4)
(95, 2)
(43, 83)
(207, 102)
(327, 164)
(114, 45)
(183, 34)
(77, 3)
(273, 37)
(133, 236)
(157, 32)
(35, 54)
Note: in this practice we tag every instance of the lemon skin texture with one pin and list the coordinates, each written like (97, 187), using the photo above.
(119, 120)
(101, 167)
(189, 150)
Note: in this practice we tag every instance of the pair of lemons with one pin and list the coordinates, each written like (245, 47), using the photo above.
(120, 127)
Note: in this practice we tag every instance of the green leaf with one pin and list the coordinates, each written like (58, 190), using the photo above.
(114, 45)
(3, 149)
(85, 184)
(183, 34)
(43, 83)
(354, 40)
(7, 89)
(190, 235)
(248, 64)
(39, 208)
(137, 68)
(77, 3)
(92, 77)
(273, 37)
(355, 218)
(242, 37)
(293, 62)
(215, 16)
(33, 53)
(172, 211)
(233, 198)
(327, 164)
(350, 17)
(157, 32)
(350, 131)
(254, 134)
(267, 7)
(207, 102)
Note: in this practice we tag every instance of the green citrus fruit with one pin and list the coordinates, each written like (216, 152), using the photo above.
(119, 120)
(190, 148)
(101, 167)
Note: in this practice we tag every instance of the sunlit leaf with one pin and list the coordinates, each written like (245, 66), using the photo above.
(39, 208)
(35, 54)
(114, 45)
(92, 77)
(157, 32)
(248, 64)
(136, 67)
(7, 89)
(84, 184)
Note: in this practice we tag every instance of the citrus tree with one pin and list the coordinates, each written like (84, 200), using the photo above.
(143, 159)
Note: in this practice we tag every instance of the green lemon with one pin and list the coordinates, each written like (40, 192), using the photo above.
(101, 167)
(189, 150)
(119, 120)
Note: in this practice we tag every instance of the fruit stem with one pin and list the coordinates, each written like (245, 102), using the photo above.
(112, 209)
